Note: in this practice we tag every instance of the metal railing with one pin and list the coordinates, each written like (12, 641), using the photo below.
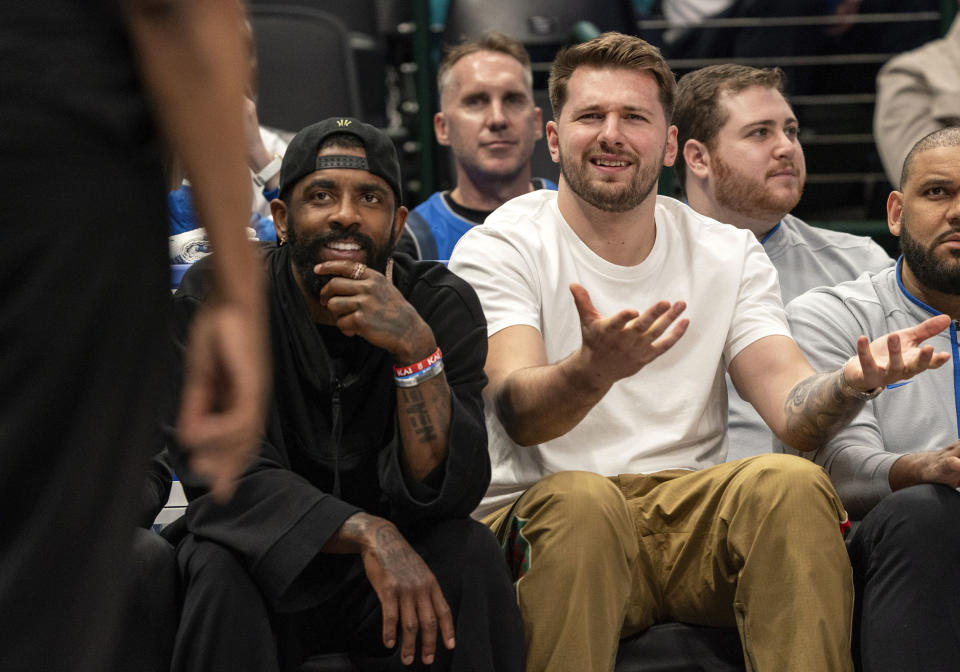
(789, 21)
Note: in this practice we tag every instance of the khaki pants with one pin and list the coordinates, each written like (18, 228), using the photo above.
(754, 543)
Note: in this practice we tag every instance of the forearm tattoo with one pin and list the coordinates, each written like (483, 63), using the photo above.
(419, 414)
(816, 409)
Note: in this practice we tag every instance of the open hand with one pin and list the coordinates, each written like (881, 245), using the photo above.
(896, 356)
(617, 347)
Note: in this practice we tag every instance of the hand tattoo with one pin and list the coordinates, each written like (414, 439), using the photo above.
(396, 554)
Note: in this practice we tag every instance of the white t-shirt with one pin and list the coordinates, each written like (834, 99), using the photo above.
(673, 412)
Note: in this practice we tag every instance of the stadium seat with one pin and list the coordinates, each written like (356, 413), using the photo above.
(306, 69)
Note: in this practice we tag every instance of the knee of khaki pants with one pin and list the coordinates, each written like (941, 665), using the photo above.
(574, 542)
(779, 482)
(581, 502)
(568, 504)
(575, 519)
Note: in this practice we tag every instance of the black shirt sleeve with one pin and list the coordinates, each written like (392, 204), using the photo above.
(451, 308)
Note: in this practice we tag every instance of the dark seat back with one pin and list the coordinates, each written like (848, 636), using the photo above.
(306, 70)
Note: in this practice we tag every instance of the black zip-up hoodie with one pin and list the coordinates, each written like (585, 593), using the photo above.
(332, 444)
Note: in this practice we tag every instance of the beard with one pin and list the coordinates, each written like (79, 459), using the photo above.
(933, 272)
(308, 251)
(611, 196)
(744, 194)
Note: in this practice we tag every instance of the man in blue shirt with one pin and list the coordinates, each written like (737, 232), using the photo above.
(488, 119)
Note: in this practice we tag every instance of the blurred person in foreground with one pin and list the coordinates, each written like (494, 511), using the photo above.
(84, 293)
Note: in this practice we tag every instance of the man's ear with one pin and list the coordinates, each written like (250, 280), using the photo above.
(399, 219)
(895, 212)
(697, 157)
(279, 211)
(440, 129)
(670, 150)
(538, 123)
(553, 141)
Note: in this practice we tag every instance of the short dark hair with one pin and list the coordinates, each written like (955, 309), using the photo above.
(943, 137)
(336, 141)
(492, 41)
(611, 50)
(699, 114)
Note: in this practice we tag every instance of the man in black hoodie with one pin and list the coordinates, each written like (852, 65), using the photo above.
(351, 529)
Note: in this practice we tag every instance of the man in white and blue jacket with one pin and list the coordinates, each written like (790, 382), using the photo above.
(897, 465)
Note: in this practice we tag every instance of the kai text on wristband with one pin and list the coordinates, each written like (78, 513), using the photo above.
(414, 374)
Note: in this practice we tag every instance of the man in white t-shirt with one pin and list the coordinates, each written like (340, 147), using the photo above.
(608, 423)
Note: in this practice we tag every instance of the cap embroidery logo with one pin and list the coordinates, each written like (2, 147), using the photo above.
(343, 122)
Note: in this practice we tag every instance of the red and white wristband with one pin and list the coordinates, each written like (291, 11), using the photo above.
(414, 374)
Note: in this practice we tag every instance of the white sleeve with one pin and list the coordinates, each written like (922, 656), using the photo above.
(503, 277)
(759, 311)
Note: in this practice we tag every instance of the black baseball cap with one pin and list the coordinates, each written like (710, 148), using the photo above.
(301, 158)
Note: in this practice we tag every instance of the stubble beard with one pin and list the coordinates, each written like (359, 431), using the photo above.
(307, 252)
(627, 197)
(479, 175)
(750, 197)
(931, 271)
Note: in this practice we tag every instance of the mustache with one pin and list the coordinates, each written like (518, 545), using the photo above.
(784, 165)
(320, 240)
(306, 252)
(954, 230)
(603, 147)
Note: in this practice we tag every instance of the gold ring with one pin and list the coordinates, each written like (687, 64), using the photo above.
(358, 271)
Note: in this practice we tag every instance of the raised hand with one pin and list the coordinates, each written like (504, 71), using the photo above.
(618, 346)
(897, 356)
(256, 152)
(365, 303)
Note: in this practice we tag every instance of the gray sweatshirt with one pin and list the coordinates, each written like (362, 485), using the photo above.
(805, 257)
(920, 414)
